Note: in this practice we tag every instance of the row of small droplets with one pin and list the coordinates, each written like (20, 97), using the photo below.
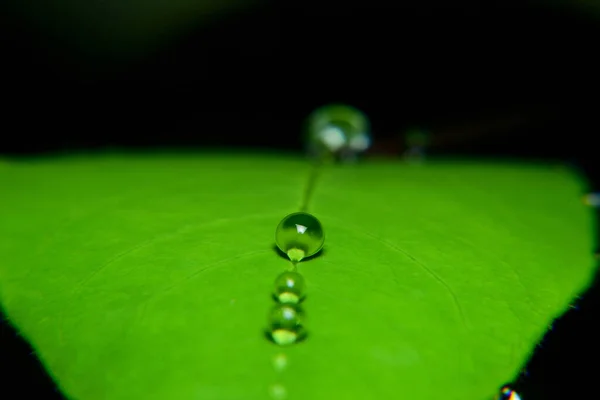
(298, 235)
(286, 321)
(332, 129)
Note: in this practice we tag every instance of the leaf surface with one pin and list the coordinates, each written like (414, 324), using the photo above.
(149, 276)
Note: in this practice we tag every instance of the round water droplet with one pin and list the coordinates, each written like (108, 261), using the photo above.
(337, 130)
(289, 288)
(286, 324)
(299, 235)
(507, 393)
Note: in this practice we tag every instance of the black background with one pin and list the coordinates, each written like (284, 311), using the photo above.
(517, 80)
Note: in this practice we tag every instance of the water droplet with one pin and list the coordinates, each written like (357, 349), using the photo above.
(285, 324)
(507, 393)
(289, 287)
(338, 130)
(278, 391)
(299, 235)
(280, 362)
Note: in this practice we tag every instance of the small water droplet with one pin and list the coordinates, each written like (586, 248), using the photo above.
(339, 131)
(507, 393)
(278, 391)
(289, 287)
(280, 362)
(285, 324)
(297, 242)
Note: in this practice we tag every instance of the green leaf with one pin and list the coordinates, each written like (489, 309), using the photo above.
(149, 277)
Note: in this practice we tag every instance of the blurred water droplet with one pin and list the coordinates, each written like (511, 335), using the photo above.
(417, 141)
(338, 132)
(280, 362)
(278, 391)
(592, 199)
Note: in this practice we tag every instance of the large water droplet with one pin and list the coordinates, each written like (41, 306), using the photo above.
(337, 131)
(299, 235)
(289, 287)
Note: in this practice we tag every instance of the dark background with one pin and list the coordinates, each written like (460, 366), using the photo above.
(518, 79)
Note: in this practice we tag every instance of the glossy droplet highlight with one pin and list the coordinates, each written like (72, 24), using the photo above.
(299, 235)
(285, 324)
(338, 130)
(289, 288)
(507, 393)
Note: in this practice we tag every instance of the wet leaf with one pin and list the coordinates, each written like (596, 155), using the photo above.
(150, 276)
